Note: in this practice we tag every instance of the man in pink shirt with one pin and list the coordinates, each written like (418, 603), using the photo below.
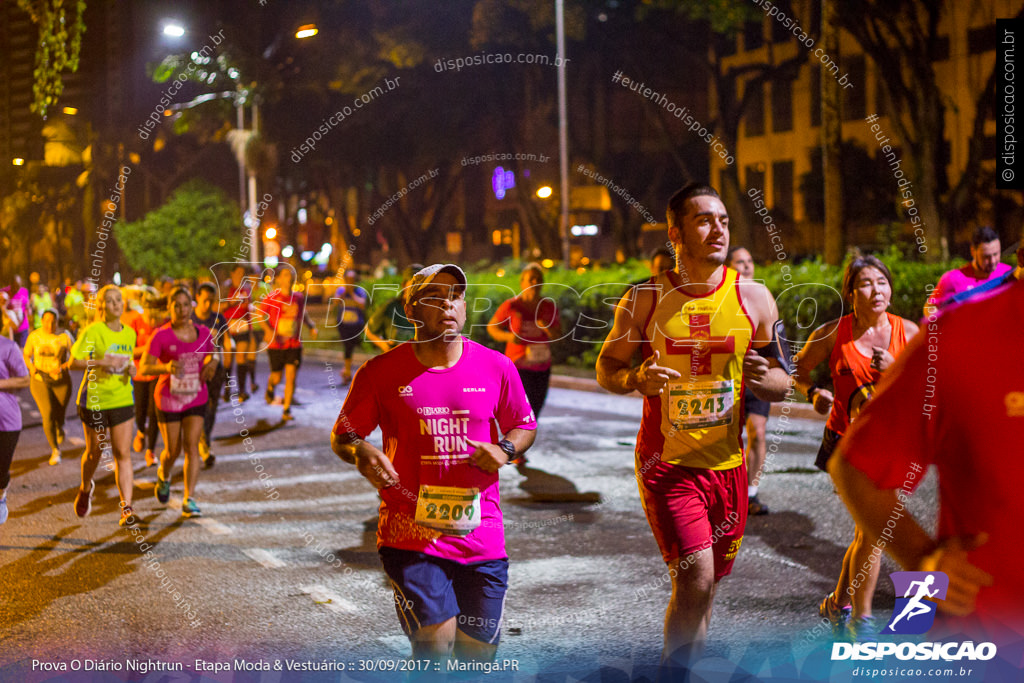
(984, 266)
(440, 401)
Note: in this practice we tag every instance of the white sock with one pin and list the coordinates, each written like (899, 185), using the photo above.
(751, 491)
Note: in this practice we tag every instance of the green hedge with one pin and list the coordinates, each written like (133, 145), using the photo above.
(807, 295)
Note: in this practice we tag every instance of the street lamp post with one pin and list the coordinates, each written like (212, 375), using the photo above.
(563, 132)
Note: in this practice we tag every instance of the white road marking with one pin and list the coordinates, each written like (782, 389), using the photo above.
(346, 475)
(34, 413)
(368, 500)
(264, 558)
(328, 599)
(265, 455)
(399, 644)
(776, 558)
(214, 527)
(75, 441)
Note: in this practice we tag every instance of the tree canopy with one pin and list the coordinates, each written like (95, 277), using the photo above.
(197, 227)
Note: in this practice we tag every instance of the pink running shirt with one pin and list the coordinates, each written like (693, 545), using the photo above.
(961, 279)
(187, 390)
(426, 415)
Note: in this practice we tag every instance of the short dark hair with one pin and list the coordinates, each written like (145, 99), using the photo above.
(858, 264)
(983, 234)
(687, 192)
(733, 250)
(207, 287)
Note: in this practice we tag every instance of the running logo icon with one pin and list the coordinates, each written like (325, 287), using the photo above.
(915, 612)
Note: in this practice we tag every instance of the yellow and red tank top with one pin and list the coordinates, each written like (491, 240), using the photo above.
(853, 378)
(695, 421)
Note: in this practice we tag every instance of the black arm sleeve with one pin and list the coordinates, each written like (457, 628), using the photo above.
(778, 349)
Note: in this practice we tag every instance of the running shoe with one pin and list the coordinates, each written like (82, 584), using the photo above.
(863, 630)
(838, 616)
(3, 509)
(255, 387)
(756, 507)
(286, 415)
(138, 442)
(268, 395)
(83, 501)
(55, 456)
(127, 516)
(243, 397)
(346, 377)
(162, 489)
(190, 509)
(150, 459)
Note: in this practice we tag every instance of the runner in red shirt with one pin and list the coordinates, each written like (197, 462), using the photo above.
(858, 348)
(286, 312)
(527, 324)
(143, 386)
(238, 312)
(967, 418)
(440, 401)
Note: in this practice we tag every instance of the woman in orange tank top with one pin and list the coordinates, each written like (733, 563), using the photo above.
(858, 347)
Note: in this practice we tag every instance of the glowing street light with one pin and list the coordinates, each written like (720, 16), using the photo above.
(70, 111)
(544, 192)
(306, 31)
(271, 233)
(18, 161)
(173, 29)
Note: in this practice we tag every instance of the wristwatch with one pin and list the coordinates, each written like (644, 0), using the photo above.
(510, 450)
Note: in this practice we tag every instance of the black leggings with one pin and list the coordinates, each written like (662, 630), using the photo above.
(52, 400)
(213, 389)
(145, 411)
(535, 382)
(8, 441)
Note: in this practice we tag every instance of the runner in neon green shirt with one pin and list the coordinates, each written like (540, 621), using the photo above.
(105, 400)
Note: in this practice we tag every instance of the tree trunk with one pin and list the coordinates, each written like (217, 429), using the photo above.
(926, 195)
(832, 135)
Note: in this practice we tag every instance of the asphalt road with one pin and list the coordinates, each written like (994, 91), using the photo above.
(284, 569)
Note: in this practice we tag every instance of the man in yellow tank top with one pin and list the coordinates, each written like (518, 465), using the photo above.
(704, 335)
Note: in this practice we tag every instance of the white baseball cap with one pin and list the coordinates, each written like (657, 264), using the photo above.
(425, 276)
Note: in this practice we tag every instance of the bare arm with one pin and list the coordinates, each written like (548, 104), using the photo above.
(152, 366)
(490, 458)
(28, 353)
(371, 462)
(613, 364)
(310, 324)
(765, 376)
(14, 383)
(379, 342)
(815, 352)
(497, 329)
